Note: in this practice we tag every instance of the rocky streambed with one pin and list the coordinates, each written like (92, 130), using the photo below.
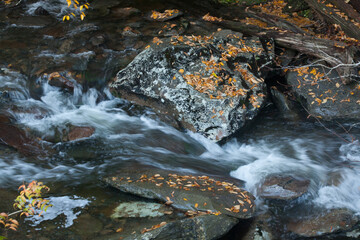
(171, 129)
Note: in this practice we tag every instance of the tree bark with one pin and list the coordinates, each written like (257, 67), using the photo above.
(333, 18)
(347, 9)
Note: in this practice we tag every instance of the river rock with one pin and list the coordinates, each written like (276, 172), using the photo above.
(210, 84)
(77, 132)
(41, 11)
(323, 94)
(187, 193)
(283, 187)
(202, 227)
(140, 210)
(17, 138)
(59, 80)
(334, 221)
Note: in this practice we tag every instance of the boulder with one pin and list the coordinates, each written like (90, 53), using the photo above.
(323, 94)
(193, 195)
(283, 187)
(209, 84)
(334, 221)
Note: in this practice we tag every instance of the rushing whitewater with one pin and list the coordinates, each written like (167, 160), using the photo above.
(125, 134)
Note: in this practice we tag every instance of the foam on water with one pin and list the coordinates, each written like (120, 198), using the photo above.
(66, 205)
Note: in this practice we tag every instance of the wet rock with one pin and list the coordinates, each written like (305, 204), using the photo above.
(59, 80)
(282, 102)
(124, 13)
(17, 138)
(129, 32)
(97, 40)
(77, 132)
(66, 46)
(202, 227)
(86, 27)
(199, 84)
(191, 194)
(324, 95)
(283, 187)
(334, 221)
(140, 210)
(41, 11)
(32, 21)
(257, 229)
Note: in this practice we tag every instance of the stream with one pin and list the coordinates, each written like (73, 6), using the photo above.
(128, 135)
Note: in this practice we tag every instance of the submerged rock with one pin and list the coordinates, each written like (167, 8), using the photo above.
(211, 85)
(191, 194)
(334, 221)
(283, 188)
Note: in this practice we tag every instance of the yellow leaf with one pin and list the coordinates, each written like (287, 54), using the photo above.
(81, 7)
(181, 71)
(185, 199)
(68, 17)
(82, 17)
(196, 205)
(64, 18)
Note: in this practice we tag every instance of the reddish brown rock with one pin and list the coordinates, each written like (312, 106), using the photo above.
(80, 132)
(57, 80)
(14, 137)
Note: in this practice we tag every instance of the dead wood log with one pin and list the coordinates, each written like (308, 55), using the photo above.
(338, 55)
(333, 18)
(347, 9)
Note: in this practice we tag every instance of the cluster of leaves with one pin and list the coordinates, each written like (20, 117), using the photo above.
(209, 18)
(28, 202)
(30, 199)
(166, 14)
(215, 80)
(76, 6)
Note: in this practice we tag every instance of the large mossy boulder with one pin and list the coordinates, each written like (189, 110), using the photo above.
(209, 84)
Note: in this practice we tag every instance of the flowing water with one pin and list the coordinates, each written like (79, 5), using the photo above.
(127, 135)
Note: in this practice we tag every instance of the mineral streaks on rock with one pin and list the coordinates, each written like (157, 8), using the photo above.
(210, 84)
